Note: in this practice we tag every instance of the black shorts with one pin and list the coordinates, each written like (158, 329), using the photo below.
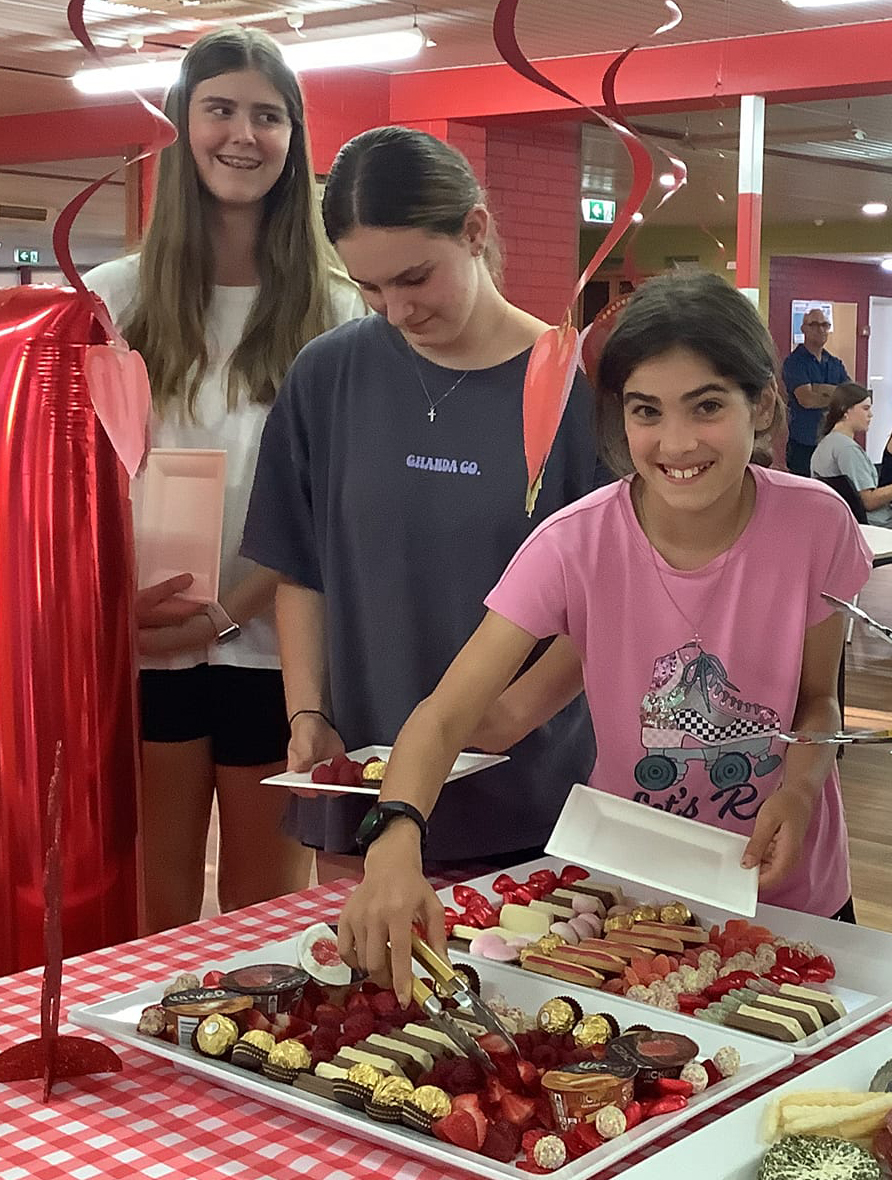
(242, 711)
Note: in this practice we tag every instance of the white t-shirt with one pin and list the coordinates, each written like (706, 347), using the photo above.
(215, 427)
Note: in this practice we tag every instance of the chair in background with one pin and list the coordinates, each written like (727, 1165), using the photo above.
(844, 487)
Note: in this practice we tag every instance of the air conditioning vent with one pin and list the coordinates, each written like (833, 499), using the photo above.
(31, 213)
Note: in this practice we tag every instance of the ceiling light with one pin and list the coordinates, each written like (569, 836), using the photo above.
(368, 49)
(886, 264)
(825, 3)
(874, 209)
(637, 217)
(667, 180)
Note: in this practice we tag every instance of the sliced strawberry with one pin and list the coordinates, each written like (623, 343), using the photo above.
(211, 978)
(459, 1129)
(323, 773)
(531, 1138)
(529, 1077)
(517, 1109)
(589, 1136)
(712, 1072)
(511, 1133)
(328, 1015)
(256, 1020)
(574, 1143)
(470, 1104)
(495, 1091)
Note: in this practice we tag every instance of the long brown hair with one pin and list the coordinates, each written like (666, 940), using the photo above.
(400, 178)
(176, 277)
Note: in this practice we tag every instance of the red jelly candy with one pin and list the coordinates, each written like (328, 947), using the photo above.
(503, 883)
(572, 873)
(465, 894)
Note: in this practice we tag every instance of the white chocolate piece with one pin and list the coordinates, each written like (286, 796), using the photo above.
(469, 933)
(424, 1059)
(385, 1064)
(522, 919)
(557, 912)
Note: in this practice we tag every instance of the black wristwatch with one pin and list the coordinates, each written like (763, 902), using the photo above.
(380, 815)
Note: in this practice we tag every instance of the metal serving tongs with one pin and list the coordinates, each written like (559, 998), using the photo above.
(455, 986)
(855, 612)
(842, 737)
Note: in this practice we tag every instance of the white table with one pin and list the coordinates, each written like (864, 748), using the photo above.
(879, 540)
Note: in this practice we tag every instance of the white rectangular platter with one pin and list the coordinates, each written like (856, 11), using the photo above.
(179, 523)
(117, 1018)
(862, 956)
(732, 1148)
(465, 764)
(701, 863)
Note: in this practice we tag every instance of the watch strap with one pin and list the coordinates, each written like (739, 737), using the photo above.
(380, 815)
(225, 626)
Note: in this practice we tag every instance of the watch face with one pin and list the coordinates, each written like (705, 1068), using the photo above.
(369, 826)
(229, 634)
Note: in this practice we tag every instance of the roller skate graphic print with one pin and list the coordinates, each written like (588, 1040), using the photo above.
(693, 713)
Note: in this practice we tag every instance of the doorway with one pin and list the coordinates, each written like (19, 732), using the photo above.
(879, 374)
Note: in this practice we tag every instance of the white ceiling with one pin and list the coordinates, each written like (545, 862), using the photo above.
(38, 54)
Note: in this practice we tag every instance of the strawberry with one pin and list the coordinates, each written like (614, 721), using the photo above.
(588, 1135)
(358, 1000)
(328, 1015)
(530, 1139)
(510, 1132)
(323, 773)
(712, 1072)
(211, 978)
(285, 1026)
(493, 1044)
(256, 1020)
(465, 1077)
(346, 776)
(359, 1024)
(385, 1004)
(574, 1143)
(517, 1109)
(494, 1091)
(470, 1104)
(498, 1146)
(457, 1128)
(529, 1077)
(546, 1057)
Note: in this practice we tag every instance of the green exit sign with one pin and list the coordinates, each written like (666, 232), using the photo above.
(598, 210)
(26, 257)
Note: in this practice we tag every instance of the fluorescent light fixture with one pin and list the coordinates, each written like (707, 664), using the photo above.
(667, 180)
(874, 209)
(826, 3)
(886, 264)
(368, 49)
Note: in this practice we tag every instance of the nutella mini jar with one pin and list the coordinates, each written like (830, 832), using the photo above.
(577, 1092)
(185, 1010)
(273, 987)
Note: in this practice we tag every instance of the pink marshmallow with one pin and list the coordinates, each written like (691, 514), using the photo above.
(491, 946)
(566, 932)
(583, 904)
(591, 923)
(616, 910)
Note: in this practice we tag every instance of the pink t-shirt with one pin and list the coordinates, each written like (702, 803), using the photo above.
(690, 728)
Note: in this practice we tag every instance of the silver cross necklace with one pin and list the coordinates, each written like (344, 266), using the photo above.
(432, 412)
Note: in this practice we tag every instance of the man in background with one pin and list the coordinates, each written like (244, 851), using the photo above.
(811, 374)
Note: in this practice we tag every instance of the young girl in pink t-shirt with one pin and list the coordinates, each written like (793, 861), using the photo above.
(686, 599)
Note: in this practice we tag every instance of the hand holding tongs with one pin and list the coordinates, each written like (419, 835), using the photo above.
(456, 987)
(855, 612)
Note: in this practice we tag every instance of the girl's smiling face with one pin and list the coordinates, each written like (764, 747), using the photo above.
(690, 431)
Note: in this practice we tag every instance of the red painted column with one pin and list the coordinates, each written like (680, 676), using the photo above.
(749, 195)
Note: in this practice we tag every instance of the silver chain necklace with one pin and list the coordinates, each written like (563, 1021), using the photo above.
(432, 412)
(695, 630)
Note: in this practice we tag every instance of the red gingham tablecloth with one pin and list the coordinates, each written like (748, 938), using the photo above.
(155, 1122)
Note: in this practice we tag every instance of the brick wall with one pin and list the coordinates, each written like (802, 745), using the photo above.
(533, 181)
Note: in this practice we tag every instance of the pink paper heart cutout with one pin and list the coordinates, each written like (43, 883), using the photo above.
(121, 395)
(549, 378)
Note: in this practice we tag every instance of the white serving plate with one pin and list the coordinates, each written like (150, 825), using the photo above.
(732, 1148)
(179, 523)
(862, 956)
(117, 1017)
(464, 764)
(696, 861)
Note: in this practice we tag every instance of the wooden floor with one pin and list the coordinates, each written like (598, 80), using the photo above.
(866, 771)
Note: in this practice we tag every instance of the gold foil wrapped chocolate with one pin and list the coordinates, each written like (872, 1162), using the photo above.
(364, 1074)
(432, 1101)
(259, 1039)
(392, 1091)
(644, 913)
(558, 1015)
(251, 1050)
(215, 1036)
(618, 922)
(676, 914)
(592, 1030)
(290, 1054)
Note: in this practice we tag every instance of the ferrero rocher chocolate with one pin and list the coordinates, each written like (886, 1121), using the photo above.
(644, 913)
(365, 1075)
(432, 1100)
(291, 1053)
(259, 1038)
(676, 914)
(215, 1036)
(618, 922)
(557, 1016)
(392, 1091)
(592, 1030)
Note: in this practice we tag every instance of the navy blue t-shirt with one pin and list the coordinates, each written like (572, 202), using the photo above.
(405, 525)
(803, 368)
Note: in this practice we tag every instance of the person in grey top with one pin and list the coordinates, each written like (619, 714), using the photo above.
(849, 412)
(389, 492)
